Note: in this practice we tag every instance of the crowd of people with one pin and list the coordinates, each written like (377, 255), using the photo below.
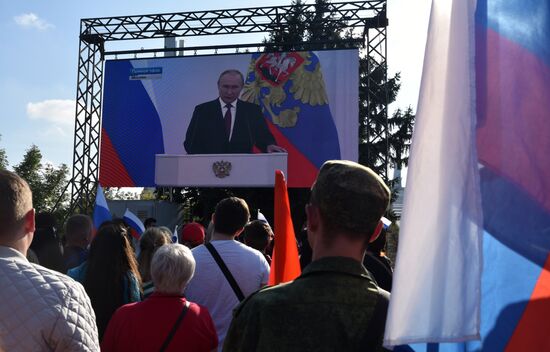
(208, 292)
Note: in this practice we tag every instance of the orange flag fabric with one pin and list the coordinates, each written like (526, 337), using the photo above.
(285, 263)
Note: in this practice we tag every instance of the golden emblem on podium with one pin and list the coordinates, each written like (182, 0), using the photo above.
(221, 168)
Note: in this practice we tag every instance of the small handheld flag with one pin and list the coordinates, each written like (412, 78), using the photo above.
(175, 235)
(101, 209)
(136, 226)
(386, 222)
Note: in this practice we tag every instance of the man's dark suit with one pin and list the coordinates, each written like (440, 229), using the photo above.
(206, 132)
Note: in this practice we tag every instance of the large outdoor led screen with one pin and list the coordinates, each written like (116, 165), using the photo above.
(309, 101)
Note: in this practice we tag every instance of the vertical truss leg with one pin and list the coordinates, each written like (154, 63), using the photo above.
(377, 91)
(87, 127)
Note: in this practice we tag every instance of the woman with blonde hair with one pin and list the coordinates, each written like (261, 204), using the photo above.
(150, 241)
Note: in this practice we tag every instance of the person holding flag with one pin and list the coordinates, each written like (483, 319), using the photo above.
(334, 305)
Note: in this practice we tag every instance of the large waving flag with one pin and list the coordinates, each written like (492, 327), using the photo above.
(136, 226)
(101, 209)
(285, 263)
(481, 170)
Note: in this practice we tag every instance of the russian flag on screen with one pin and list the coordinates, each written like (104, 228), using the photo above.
(477, 204)
(136, 226)
(132, 135)
(101, 209)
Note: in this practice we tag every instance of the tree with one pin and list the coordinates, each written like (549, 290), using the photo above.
(116, 193)
(401, 123)
(374, 147)
(46, 182)
(29, 169)
(3, 158)
(308, 30)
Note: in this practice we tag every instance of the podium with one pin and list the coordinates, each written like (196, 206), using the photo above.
(219, 170)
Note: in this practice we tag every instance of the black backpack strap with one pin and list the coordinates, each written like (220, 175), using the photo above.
(175, 327)
(225, 271)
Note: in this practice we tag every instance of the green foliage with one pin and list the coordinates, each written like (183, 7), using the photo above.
(304, 30)
(3, 158)
(401, 125)
(116, 193)
(54, 181)
(46, 182)
(147, 194)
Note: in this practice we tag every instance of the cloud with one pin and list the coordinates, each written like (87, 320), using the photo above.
(60, 113)
(30, 20)
(54, 132)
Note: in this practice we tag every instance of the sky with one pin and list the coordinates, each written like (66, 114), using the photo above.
(38, 65)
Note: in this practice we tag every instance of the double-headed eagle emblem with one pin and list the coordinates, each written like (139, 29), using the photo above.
(221, 168)
(277, 75)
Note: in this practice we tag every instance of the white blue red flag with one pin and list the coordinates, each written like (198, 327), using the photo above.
(473, 267)
(386, 222)
(136, 226)
(101, 209)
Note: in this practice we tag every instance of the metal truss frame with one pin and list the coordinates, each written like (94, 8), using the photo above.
(365, 21)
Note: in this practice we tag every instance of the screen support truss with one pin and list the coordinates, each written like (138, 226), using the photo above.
(365, 21)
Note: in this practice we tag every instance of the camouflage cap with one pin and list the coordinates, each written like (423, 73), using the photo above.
(350, 196)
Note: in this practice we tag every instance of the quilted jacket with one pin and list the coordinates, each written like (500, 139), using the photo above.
(41, 309)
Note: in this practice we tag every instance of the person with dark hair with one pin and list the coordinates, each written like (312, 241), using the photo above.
(378, 249)
(110, 275)
(78, 234)
(227, 271)
(209, 231)
(41, 310)
(258, 235)
(46, 245)
(127, 231)
(228, 124)
(377, 265)
(150, 222)
(334, 305)
(147, 325)
(304, 248)
(151, 240)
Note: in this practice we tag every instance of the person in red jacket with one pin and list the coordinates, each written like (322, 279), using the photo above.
(165, 321)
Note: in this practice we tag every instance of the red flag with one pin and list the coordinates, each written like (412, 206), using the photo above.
(285, 264)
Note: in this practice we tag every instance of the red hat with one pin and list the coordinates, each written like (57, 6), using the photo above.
(193, 232)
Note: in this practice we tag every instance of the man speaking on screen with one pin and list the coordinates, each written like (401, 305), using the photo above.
(228, 124)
